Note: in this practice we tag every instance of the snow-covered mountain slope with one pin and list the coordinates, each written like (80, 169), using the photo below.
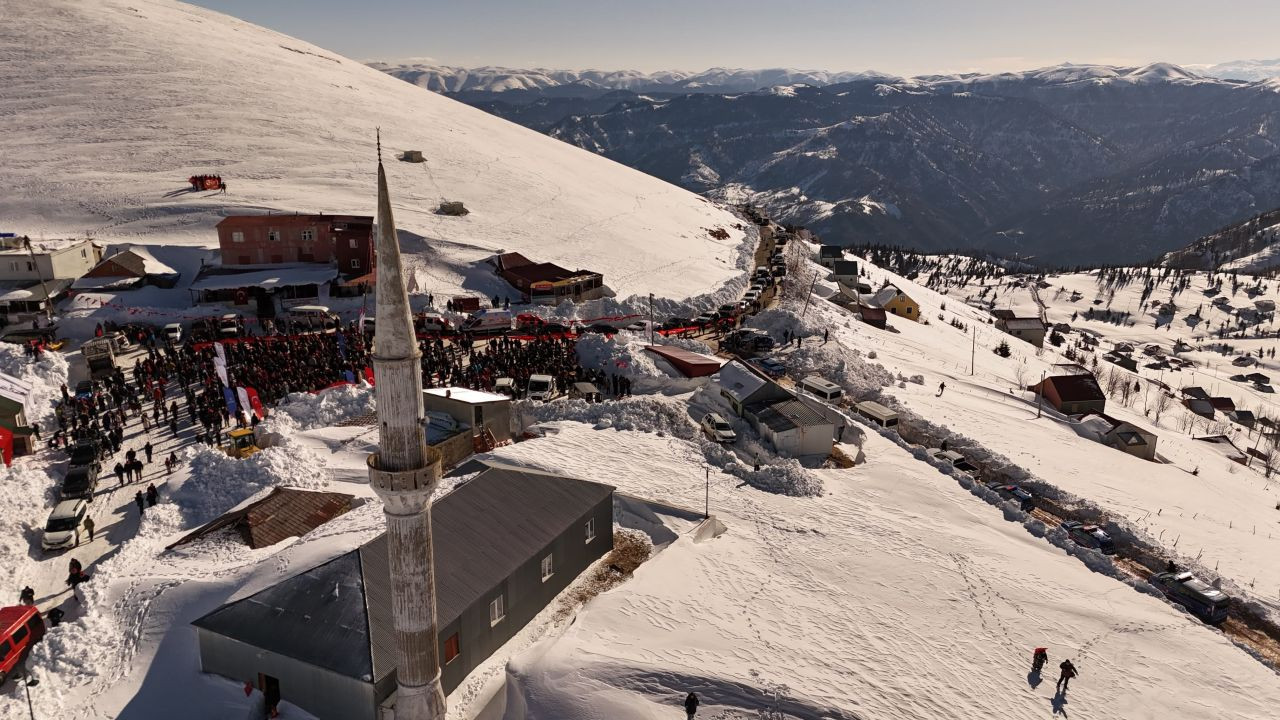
(446, 78)
(110, 106)
(1240, 69)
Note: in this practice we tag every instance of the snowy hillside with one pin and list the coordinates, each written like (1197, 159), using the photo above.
(1241, 69)
(446, 78)
(110, 106)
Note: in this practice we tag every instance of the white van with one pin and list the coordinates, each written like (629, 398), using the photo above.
(877, 413)
(63, 528)
(541, 387)
(173, 332)
(317, 316)
(490, 322)
(821, 388)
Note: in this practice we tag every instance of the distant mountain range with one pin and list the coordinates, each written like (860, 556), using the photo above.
(1071, 164)
(1240, 69)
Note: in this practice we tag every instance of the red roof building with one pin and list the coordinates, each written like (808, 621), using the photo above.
(547, 283)
(688, 363)
(344, 240)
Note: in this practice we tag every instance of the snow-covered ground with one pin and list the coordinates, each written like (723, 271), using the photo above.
(111, 105)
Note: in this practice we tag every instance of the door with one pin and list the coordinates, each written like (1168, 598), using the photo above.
(270, 688)
(479, 417)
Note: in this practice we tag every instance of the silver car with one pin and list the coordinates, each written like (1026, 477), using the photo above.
(718, 429)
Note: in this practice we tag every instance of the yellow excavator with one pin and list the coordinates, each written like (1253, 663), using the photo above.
(243, 443)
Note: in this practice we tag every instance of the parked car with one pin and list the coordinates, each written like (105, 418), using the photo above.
(676, 323)
(432, 323)
(751, 296)
(954, 458)
(86, 454)
(230, 325)
(585, 391)
(84, 389)
(601, 329)
(506, 386)
(1016, 493)
(81, 482)
(173, 332)
(1090, 536)
(770, 367)
(62, 530)
(729, 311)
(705, 319)
(717, 429)
(552, 328)
(541, 387)
(21, 627)
(1199, 598)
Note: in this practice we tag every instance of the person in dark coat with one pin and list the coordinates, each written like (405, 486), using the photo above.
(691, 705)
(153, 495)
(1038, 658)
(120, 473)
(141, 501)
(27, 596)
(148, 449)
(1068, 672)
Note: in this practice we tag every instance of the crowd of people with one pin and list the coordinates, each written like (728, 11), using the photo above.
(478, 366)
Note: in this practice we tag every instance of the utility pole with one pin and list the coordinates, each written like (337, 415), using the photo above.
(973, 350)
(27, 685)
(48, 301)
(707, 512)
(1040, 395)
(650, 318)
(810, 295)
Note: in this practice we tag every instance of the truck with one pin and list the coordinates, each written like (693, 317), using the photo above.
(100, 356)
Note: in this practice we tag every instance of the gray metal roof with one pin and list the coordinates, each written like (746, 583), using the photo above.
(787, 415)
(483, 531)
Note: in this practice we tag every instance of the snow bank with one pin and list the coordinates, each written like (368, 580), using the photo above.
(842, 366)
(219, 482)
(624, 354)
(308, 411)
(29, 491)
(46, 376)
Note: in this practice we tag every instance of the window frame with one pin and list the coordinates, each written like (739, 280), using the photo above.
(273, 235)
(355, 263)
(237, 236)
(590, 531)
(452, 643)
(497, 606)
(308, 235)
(548, 567)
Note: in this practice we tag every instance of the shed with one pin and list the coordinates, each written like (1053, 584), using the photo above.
(1203, 408)
(1193, 391)
(793, 428)
(325, 635)
(1072, 394)
(1242, 417)
(284, 513)
(1258, 378)
(478, 409)
(829, 254)
(688, 363)
(1222, 404)
(742, 385)
(130, 268)
(1029, 329)
(413, 156)
(845, 272)
(1123, 436)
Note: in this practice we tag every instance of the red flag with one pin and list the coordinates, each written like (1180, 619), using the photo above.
(255, 403)
(6, 444)
(368, 374)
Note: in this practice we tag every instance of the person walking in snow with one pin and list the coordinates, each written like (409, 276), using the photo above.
(153, 495)
(825, 335)
(27, 596)
(1039, 657)
(148, 449)
(141, 501)
(120, 473)
(691, 705)
(942, 386)
(1068, 671)
(88, 525)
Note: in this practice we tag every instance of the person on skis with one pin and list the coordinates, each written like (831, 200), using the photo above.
(1068, 671)
(1039, 657)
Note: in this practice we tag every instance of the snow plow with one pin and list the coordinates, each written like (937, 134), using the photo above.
(244, 442)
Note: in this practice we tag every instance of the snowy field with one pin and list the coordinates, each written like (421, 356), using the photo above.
(111, 105)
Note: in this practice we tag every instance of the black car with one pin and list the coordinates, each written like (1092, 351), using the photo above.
(553, 329)
(675, 323)
(81, 481)
(86, 454)
(601, 329)
(1090, 536)
(1016, 493)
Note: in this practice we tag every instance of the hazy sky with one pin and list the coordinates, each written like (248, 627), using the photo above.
(898, 36)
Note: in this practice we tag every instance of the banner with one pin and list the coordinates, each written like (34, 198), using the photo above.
(230, 396)
(368, 375)
(255, 403)
(243, 396)
(6, 444)
(220, 352)
(220, 367)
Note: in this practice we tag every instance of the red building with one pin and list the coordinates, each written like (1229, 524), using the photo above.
(344, 240)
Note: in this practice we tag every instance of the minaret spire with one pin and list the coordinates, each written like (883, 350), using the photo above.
(404, 472)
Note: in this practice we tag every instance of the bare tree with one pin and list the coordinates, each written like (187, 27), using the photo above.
(1163, 401)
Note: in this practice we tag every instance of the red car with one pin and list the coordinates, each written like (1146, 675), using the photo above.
(21, 627)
